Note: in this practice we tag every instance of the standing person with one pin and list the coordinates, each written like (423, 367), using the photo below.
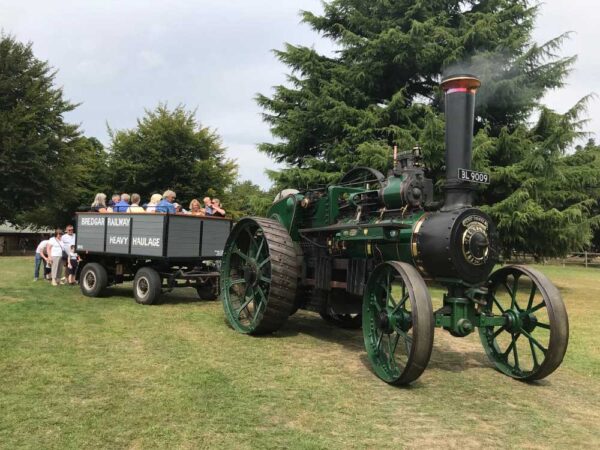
(55, 250)
(99, 204)
(217, 210)
(39, 257)
(166, 204)
(195, 209)
(123, 205)
(68, 239)
(73, 264)
(135, 204)
(207, 206)
(154, 201)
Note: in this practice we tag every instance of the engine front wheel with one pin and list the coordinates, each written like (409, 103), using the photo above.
(397, 322)
(533, 340)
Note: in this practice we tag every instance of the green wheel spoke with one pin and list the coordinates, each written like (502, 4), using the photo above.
(237, 251)
(244, 306)
(260, 305)
(388, 289)
(536, 307)
(406, 338)
(400, 304)
(533, 355)
(534, 341)
(252, 242)
(397, 338)
(233, 282)
(515, 290)
(377, 305)
(531, 296)
(543, 325)
(262, 242)
(498, 304)
(265, 279)
(263, 262)
(497, 332)
(515, 352)
(379, 339)
(511, 345)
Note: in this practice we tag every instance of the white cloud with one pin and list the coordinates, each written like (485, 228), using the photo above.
(119, 57)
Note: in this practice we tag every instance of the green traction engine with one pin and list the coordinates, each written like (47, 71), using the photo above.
(359, 253)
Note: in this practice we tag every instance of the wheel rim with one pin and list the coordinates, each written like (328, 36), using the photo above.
(397, 349)
(532, 342)
(246, 277)
(89, 280)
(142, 287)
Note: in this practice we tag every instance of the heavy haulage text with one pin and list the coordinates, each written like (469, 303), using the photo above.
(145, 242)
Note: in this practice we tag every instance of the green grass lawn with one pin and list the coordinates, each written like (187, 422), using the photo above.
(77, 372)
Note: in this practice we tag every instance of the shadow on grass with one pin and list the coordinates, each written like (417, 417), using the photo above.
(175, 297)
(443, 356)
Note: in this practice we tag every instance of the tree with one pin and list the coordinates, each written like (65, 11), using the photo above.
(380, 88)
(84, 173)
(247, 199)
(35, 141)
(544, 201)
(170, 150)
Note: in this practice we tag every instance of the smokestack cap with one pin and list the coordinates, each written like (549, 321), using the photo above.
(460, 83)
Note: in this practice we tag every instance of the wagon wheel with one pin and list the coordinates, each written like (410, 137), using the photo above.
(362, 177)
(533, 341)
(259, 275)
(397, 322)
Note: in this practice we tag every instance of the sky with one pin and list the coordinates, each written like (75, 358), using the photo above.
(118, 58)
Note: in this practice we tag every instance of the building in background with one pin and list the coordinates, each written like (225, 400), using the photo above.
(20, 241)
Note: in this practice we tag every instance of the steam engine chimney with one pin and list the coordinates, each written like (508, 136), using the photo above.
(460, 113)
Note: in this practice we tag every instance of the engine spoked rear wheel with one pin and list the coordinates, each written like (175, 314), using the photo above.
(398, 322)
(533, 341)
(259, 275)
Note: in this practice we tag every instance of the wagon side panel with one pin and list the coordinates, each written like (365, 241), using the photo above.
(90, 232)
(214, 236)
(147, 235)
(184, 237)
(118, 233)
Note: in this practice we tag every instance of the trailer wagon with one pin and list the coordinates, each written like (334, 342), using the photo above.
(158, 252)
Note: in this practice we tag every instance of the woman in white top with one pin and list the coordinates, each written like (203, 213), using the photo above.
(55, 250)
(154, 201)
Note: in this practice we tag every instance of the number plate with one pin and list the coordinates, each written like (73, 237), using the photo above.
(473, 177)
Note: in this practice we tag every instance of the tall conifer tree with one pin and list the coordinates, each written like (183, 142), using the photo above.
(381, 88)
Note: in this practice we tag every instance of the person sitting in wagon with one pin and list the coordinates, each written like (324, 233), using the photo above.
(195, 208)
(135, 204)
(123, 205)
(166, 204)
(217, 210)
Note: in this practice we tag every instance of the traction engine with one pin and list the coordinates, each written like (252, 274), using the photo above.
(360, 252)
